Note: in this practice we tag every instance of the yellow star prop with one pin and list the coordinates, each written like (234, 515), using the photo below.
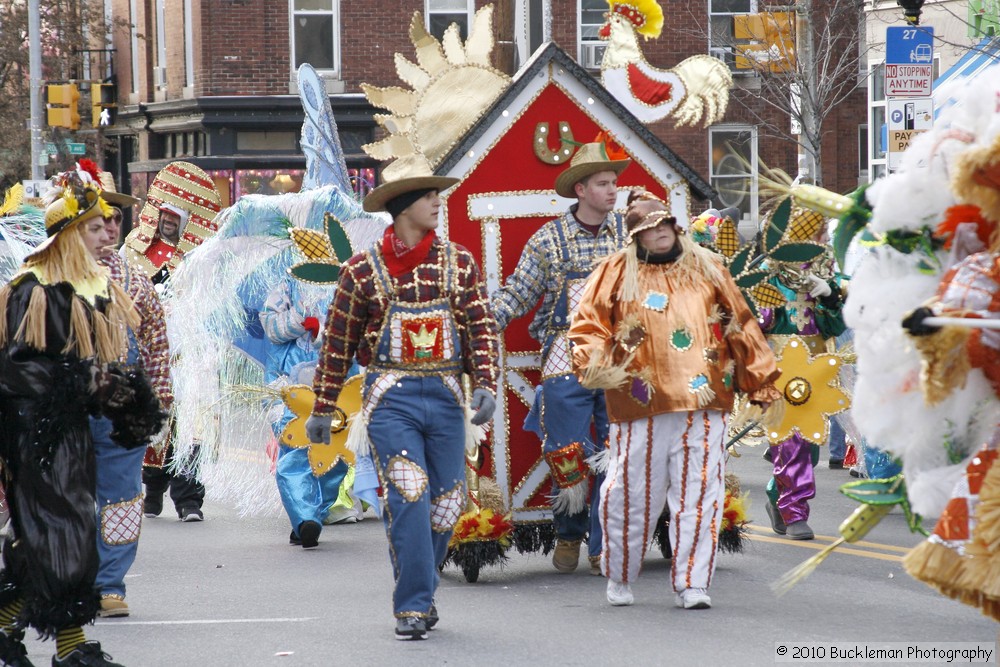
(300, 399)
(812, 393)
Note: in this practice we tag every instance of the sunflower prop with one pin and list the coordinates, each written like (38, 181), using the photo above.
(322, 457)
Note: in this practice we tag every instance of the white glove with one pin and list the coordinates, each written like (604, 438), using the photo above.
(318, 428)
(819, 287)
(484, 404)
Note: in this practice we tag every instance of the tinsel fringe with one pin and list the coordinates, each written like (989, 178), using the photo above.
(477, 554)
(534, 537)
(571, 500)
(357, 435)
(599, 462)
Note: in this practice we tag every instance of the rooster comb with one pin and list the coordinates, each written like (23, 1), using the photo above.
(646, 16)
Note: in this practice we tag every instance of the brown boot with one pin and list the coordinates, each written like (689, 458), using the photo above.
(113, 606)
(566, 556)
(595, 565)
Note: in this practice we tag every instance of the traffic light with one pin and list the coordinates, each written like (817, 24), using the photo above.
(772, 41)
(63, 100)
(104, 104)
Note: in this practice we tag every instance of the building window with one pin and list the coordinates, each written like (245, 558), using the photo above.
(134, 42)
(734, 167)
(316, 34)
(442, 13)
(878, 131)
(160, 71)
(591, 20)
(721, 32)
(188, 45)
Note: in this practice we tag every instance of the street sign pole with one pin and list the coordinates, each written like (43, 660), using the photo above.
(909, 79)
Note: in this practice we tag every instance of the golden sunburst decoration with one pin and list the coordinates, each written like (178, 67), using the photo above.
(450, 87)
(812, 393)
(322, 457)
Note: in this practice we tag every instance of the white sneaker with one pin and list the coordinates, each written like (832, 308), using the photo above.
(619, 594)
(344, 515)
(694, 598)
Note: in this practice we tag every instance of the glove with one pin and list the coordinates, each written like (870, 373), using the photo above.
(110, 387)
(484, 404)
(311, 324)
(318, 428)
(914, 322)
(819, 287)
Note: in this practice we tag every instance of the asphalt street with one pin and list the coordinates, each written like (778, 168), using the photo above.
(231, 592)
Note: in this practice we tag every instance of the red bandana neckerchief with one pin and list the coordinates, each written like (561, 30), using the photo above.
(399, 257)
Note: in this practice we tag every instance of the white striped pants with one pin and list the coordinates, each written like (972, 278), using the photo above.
(674, 458)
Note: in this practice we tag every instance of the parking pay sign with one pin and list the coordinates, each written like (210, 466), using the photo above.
(909, 61)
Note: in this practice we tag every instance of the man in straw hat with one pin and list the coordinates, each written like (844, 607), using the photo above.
(415, 313)
(62, 330)
(553, 268)
(664, 330)
(119, 470)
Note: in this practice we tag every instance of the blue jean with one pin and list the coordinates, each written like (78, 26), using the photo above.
(304, 496)
(567, 412)
(119, 501)
(838, 440)
(417, 432)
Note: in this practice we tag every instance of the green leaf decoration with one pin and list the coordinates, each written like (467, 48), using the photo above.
(777, 224)
(751, 278)
(851, 223)
(338, 238)
(319, 272)
(797, 252)
(890, 491)
(739, 261)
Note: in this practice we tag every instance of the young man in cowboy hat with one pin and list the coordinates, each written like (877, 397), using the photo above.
(119, 470)
(415, 313)
(553, 269)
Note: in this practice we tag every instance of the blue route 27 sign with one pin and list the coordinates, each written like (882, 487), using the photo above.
(909, 61)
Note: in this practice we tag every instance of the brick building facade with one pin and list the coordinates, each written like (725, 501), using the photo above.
(212, 81)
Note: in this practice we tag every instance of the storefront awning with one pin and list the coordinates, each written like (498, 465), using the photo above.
(978, 58)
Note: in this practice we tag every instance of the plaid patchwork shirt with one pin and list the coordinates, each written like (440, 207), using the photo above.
(359, 307)
(154, 352)
(544, 264)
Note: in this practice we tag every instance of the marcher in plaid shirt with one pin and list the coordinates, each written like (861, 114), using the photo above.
(414, 311)
(554, 267)
(119, 470)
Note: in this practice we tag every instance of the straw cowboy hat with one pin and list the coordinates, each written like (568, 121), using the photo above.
(74, 201)
(589, 159)
(111, 195)
(418, 178)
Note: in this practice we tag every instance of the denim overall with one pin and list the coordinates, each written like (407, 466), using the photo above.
(119, 497)
(564, 410)
(416, 426)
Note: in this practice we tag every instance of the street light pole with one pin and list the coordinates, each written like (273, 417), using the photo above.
(35, 76)
(809, 170)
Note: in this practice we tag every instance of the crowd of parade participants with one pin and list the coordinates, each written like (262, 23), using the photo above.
(649, 350)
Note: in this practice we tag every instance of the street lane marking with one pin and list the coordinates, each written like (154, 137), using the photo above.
(859, 543)
(210, 621)
(807, 544)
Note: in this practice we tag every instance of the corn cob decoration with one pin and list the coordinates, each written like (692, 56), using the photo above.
(877, 498)
(854, 527)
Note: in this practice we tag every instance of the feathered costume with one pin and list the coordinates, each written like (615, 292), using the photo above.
(218, 292)
(927, 248)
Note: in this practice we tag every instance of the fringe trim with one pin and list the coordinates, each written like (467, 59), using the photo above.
(32, 327)
(357, 435)
(628, 291)
(81, 338)
(599, 462)
(748, 413)
(937, 565)
(733, 327)
(715, 314)
(945, 363)
(599, 374)
(474, 435)
(982, 569)
(703, 394)
(4, 299)
(571, 500)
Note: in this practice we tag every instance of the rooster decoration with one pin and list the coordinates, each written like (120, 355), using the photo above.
(696, 91)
